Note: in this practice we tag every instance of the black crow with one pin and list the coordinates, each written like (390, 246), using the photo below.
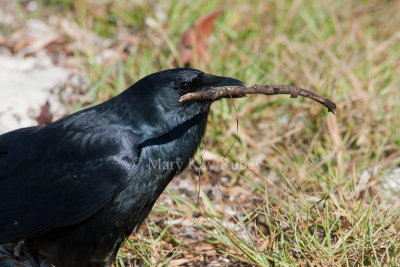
(76, 188)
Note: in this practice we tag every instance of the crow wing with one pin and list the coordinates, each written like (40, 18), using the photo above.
(61, 174)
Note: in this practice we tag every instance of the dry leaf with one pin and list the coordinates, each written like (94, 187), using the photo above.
(194, 45)
(45, 117)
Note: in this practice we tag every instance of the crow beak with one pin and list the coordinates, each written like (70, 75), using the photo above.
(209, 81)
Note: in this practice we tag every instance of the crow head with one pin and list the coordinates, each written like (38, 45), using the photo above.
(154, 100)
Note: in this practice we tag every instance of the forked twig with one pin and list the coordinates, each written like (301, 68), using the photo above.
(242, 91)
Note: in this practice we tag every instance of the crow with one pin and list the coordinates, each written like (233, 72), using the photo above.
(73, 190)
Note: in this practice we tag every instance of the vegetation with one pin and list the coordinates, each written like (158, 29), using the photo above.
(296, 186)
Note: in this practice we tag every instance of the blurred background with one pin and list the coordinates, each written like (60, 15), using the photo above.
(276, 180)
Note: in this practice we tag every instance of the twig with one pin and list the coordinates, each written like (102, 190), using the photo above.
(242, 91)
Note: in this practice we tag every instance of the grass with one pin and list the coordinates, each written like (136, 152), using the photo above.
(318, 197)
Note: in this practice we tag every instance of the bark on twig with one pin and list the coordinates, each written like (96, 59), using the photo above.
(242, 91)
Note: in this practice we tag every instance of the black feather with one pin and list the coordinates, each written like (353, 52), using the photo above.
(75, 188)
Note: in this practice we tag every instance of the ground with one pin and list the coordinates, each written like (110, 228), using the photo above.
(277, 181)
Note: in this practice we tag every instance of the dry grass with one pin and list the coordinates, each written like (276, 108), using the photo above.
(314, 191)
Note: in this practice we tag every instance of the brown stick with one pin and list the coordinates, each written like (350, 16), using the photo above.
(241, 91)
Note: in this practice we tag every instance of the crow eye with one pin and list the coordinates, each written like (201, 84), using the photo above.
(184, 86)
